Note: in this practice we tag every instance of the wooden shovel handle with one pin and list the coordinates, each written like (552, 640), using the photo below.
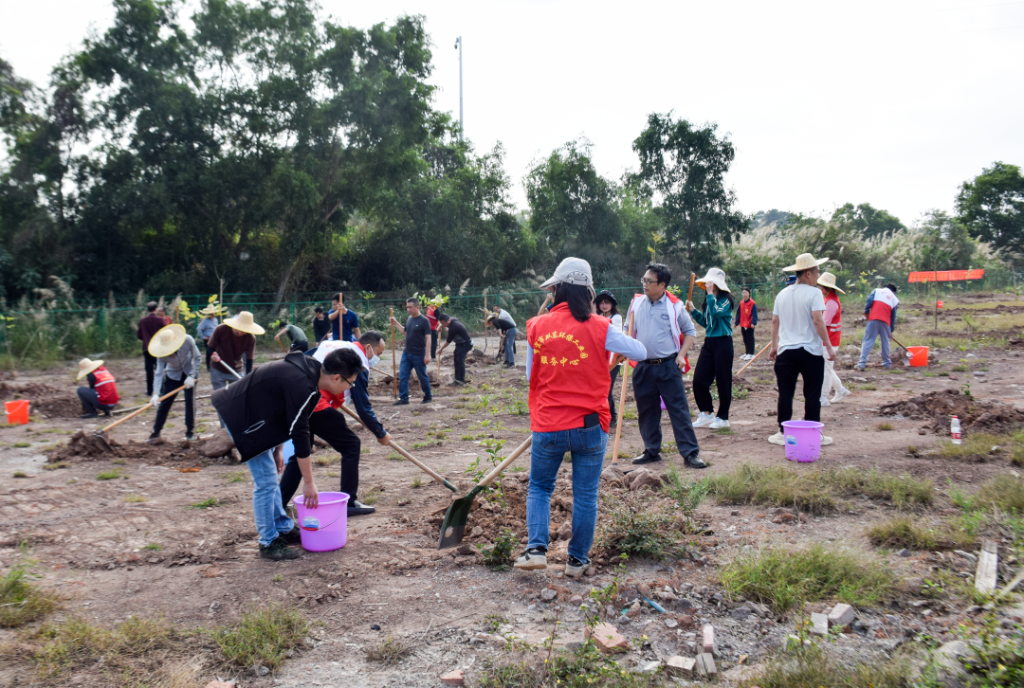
(140, 410)
(492, 476)
(394, 360)
(689, 294)
(394, 445)
(898, 344)
(751, 361)
(622, 398)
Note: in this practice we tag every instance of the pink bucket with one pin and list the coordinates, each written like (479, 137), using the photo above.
(803, 440)
(325, 528)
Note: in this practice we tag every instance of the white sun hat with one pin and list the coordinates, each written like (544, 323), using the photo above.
(716, 276)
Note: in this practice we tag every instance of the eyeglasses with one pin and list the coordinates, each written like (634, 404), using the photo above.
(352, 382)
(646, 282)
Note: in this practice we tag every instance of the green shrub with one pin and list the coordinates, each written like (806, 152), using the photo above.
(640, 524)
(263, 636)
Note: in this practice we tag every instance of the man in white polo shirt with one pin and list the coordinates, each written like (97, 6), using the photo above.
(799, 340)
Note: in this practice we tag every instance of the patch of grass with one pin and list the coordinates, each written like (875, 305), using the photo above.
(277, 578)
(973, 446)
(1004, 492)
(134, 498)
(234, 476)
(723, 431)
(207, 503)
(503, 552)
(468, 438)
(785, 578)
(902, 531)
(364, 450)
(417, 482)
(813, 667)
(21, 445)
(582, 667)
(21, 600)
(371, 496)
(395, 456)
(119, 462)
(389, 652)
(688, 495)
(262, 637)
(884, 427)
(56, 466)
(323, 461)
(640, 524)
(154, 547)
(629, 413)
(112, 475)
(20, 474)
(959, 369)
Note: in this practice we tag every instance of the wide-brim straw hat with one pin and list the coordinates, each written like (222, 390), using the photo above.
(827, 279)
(716, 276)
(211, 310)
(243, 322)
(86, 366)
(805, 261)
(167, 340)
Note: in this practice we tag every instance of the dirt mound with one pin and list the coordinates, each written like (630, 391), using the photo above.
(84, 446)
(50, 400)
(975, 415)
(58, 406)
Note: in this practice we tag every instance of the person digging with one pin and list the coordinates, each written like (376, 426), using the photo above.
(266, 409)
(101, 394)
(328, 423)
(232, 342)
(459, 335)
(177, 365)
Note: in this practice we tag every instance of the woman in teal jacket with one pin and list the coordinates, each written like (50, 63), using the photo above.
(716, 353)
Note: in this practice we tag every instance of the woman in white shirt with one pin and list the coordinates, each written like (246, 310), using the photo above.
(608, 307)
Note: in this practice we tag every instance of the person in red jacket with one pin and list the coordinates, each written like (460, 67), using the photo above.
(880, 310)
(834, 326)
(746, 318)
(101, 394)
(567, 368)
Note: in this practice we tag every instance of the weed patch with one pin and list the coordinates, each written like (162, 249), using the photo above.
(21, 600)
(371, 496)
(112, 475)
(388, 652)
(900, 532)
(813, 667)
(638, 524)
(502, 553)
(1004, 492)
(134, 498)
(207, 503)
(262, 637)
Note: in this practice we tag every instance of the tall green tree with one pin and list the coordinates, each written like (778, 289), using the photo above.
(945, 243)
(683, 168)
(870, 221)
(992, 207)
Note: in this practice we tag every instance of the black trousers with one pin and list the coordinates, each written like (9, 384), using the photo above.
(329, 425)
(150, 372)
(651, 384)
(790, 364)
(714, 364)
(301, 345)
(167, 384)
(209, 352)
(611, 392)
(433, 344)
(748, 340)
(90, 399)
(461, 350)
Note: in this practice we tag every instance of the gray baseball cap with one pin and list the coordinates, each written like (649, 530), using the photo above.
(571, 271)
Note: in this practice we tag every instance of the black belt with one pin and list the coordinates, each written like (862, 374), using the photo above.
(658, 361)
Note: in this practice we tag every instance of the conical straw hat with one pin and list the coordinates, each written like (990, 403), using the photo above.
(827, 279)
(805, 261)
(167, 340)
(243, 322)
(86, 366)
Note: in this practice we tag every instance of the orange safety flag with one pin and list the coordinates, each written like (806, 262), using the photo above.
(945, 276)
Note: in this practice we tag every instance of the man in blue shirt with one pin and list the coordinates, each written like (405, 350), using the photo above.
(344, 320)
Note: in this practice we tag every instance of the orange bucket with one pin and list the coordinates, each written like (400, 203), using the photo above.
(17, 411)
(918, 356)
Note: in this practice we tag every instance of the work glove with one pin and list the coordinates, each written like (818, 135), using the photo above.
(155, 399)
(190, 382)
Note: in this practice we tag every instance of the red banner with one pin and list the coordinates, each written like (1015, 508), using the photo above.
(945, 276)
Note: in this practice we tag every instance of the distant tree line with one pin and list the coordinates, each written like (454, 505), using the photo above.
(274, 149)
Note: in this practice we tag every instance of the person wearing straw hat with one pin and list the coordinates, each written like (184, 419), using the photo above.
(800, 343)
(205, 328)
(662, 325)
(567, 370)
(880, 310)
(231, 342)
(177, 365)
(101, 394)
(608, 307)
(716, 354)
(834, 324)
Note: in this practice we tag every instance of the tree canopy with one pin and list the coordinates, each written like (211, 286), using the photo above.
(992, 208)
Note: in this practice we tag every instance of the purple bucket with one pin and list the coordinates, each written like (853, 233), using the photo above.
(803, 440)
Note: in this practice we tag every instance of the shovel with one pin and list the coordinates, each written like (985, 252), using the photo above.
(453, 528)
(101, 434)
(394, 445)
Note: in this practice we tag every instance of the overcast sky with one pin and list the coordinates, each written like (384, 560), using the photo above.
(892, 103)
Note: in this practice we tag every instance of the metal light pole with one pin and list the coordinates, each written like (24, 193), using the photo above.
(458, 46)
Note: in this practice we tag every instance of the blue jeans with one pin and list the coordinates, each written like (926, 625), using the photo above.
(510, 346)
(271, 518)
(407, 364)
(875, 329)
(651, 384)
(546, 453)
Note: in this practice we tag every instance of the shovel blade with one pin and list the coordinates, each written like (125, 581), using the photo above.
(100, 438)
(453, 528)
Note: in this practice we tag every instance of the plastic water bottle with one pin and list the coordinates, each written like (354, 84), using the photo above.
(954, 430)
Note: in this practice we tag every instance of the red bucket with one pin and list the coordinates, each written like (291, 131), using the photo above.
(17, 411)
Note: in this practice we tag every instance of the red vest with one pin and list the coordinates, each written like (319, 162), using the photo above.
(328, 400)
(106, 387)
(569, 375)
(835, 328)
(746, 313)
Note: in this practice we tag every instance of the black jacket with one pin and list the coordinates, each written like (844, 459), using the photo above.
(271, 405)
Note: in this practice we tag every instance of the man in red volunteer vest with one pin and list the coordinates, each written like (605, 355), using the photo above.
(101, 394)
(880, 310)
(834, 326)
(746, 318)
(567, 367)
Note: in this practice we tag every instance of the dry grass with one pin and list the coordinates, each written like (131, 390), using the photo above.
(389, 652)
(21, 600)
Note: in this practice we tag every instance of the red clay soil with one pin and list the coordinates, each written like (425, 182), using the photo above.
(939, 407)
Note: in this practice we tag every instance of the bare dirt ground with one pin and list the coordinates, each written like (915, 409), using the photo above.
(136, 544)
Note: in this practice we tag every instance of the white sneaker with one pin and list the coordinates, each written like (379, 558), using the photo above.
(746, 357)
(778, 438)
(824, 401)
(841, 394)
(825, 440)
(718, 423)
(703, 420)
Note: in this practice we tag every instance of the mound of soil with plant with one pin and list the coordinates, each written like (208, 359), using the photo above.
(939, 407)
(85, 446)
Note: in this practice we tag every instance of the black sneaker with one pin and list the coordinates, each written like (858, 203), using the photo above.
(107, 413)
(402, 402)
(694, 461)
(292, 537)
(533, 559)
(88, 415)
(278, 550)
(427, 400)
(357, 508)
(152, 438)
(646, 457)
(510, 365)
(574, 568)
